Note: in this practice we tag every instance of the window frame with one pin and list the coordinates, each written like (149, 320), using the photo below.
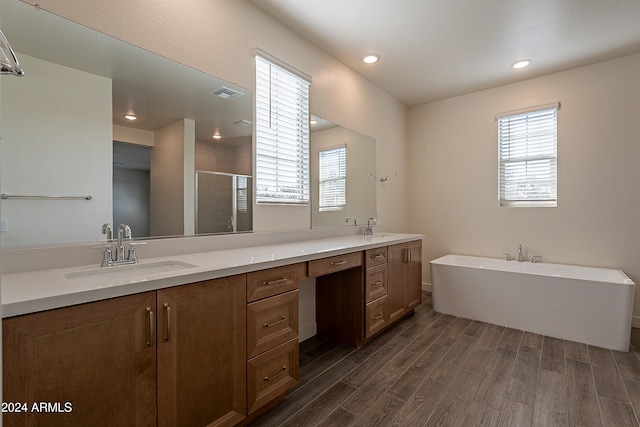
(528, 146)
(282, 133)
(338, 178)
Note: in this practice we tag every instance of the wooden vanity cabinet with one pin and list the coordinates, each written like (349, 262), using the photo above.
(375, 289)
(404, 278)
(272, 334)
(94, 356)
(212, 353)
(201, 344)
(173, 357)
(376, 314)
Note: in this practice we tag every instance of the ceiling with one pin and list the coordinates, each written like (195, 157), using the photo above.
(436, 49)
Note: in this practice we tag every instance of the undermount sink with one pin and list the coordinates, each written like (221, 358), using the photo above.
(125, 272)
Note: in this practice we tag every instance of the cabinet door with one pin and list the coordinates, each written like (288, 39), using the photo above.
(96, 361)
(376, 316)
(271, 374)
(271, 322)
(404, 276)
(202, 353)
(396, 298)
(413, 276)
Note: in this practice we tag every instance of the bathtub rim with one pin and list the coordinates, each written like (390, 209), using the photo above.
(525, 267)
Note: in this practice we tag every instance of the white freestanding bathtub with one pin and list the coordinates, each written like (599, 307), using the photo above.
(584, 304)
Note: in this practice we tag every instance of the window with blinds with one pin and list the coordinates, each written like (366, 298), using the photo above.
(282, 134)
(333, 178)
(527, 157)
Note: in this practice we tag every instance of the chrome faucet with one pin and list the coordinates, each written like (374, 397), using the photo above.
(123, 231)
(120, 256)
(368, 230)
(520, 254)
(351, 218)
(108, 230)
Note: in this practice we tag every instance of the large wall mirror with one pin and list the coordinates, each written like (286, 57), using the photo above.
(64, 133)
(343, 175)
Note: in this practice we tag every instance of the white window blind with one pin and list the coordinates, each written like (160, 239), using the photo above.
(527, 152)
(282, 134)
(333, 178)
(242, 191)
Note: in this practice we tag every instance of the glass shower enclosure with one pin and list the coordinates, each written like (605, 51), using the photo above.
(223, 202)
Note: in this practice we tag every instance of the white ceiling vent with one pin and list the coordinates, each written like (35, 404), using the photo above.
(226, 93)
(244, 123)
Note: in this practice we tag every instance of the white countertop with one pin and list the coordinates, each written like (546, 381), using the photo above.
(46, 289)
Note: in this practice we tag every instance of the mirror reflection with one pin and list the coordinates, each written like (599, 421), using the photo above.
(343, 175)
(64, 133)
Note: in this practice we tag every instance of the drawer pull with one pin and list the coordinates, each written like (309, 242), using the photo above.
(284, 369)
(275, 282)
(151, 323)
(268, 325)
(379, 316)
(376, 283)
(377, 256)
(343, 262)
(167, 309)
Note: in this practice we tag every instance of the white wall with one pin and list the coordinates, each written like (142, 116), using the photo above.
(218, 37)
(453, 165)
(56, 107)
(172, 177)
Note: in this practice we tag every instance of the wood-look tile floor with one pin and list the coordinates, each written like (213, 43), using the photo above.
(434, 369)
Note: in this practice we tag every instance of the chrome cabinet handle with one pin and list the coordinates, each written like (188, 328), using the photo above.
(284, 369)
(167, 311)
(151, 327)
(268, 325)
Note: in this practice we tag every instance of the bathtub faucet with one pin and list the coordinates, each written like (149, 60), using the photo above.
(520, 254)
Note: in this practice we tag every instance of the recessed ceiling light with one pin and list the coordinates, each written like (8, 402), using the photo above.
(217, 136)
(521, 63)
(370, 58)
(131, 117)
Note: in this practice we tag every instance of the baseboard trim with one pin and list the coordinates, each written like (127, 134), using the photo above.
(307, 331)
(426, 287)
(635, 322)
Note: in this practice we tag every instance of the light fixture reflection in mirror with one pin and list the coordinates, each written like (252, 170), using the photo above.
(359, 188)
(60, 121)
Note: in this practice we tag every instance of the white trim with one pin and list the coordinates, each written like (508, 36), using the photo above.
(259, 52)
(555, 105)
(307, 331)
(426, 287)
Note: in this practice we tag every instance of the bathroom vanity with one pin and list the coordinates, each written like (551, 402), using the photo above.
(213, 340)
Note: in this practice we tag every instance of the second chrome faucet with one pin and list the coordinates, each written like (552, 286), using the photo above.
(122, 255)
(534, 258)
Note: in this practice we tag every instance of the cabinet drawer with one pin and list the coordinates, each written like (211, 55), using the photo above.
(273, 281)
(332, 264)
(376, 282)
(376, 256)
(271, 373)
(271, 322)
(376, 316)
